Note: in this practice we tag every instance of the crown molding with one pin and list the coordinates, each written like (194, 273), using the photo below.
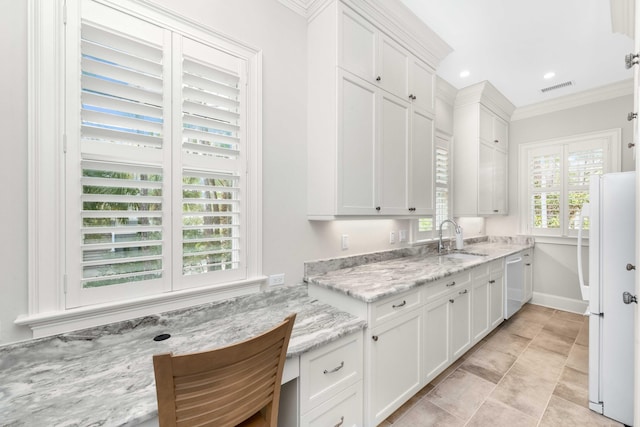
(445, 91)
(486, 94)
(598, 94)
(304, 8)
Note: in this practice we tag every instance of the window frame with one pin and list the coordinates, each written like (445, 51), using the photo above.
(47, 145)
(611, 142)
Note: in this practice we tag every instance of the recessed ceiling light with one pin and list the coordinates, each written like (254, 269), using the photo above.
(464, 73)
(549, 75)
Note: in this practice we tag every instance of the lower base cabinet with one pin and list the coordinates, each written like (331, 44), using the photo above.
(395, 364)
(342, 410)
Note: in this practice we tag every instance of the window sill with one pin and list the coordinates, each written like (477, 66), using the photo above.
(52, 323)
(569, 241)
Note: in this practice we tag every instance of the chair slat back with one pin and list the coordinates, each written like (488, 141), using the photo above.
(225, 386)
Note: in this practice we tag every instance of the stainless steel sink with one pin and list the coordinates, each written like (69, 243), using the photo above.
(463, 256)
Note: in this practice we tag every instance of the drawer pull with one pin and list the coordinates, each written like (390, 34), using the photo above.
(336, 369)
(452, 300)
(463, 292)
(374, 337)
(492, 281)
(340, 423)
(402, 304)
(528, 264)
(451, 284)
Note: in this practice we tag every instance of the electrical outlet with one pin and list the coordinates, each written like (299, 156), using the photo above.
(344, 242)
(276, 279)
(392, 237)
(402, 236)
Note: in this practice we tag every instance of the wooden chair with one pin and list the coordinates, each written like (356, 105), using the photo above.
(237, 385)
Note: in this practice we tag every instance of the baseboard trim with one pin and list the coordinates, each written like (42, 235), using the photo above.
(560, 303)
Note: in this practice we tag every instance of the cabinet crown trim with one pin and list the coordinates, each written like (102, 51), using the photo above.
(486, 94)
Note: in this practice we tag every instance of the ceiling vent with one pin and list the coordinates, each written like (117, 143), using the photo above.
(558, 86)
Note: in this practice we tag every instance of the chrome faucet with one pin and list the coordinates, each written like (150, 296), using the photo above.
(457, 229)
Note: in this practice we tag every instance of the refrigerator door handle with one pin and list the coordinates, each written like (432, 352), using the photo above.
(584, 288)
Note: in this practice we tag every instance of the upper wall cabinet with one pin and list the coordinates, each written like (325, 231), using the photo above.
(371, 114)
(480, 153)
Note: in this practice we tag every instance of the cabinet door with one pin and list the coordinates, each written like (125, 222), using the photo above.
(485, 125)
(394, 68)
(480, 307)
(356, 145)
(436, 337)
(499, 182)
(396, 363)
(528, 275)
(421, 173)
(500, 133)
(344, 409)
(393, 158)
(485, 179)
(421, 85)
(358, 41)
(460, 322)
(496, 307)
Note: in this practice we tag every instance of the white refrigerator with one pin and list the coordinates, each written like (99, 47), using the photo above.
(611, 214)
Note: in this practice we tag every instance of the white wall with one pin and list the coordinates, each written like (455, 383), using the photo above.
(555, 270)
(289, 238)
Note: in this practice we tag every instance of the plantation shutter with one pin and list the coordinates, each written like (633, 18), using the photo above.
(442, 177)
(120, 159)
(583, 161)
(545, 186)
(213, 169)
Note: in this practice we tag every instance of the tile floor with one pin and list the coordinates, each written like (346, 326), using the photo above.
(530, 371)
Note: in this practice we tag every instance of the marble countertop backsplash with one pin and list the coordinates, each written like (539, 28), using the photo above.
(104, 376)
(371, 277)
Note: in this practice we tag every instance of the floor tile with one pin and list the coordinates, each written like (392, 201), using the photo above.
(573, 386)
(496, 414)
(583, 335)
(561, 412)
(523, 327)
(524, 391)
(579, 358)
(508, 343)
(461, 394)
(565, 315)
(455, 365)
(551, 341)
(542, 362)
(566, 328)
(426, 414)
(489, 363)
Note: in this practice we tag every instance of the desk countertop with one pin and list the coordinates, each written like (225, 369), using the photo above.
(104, 376)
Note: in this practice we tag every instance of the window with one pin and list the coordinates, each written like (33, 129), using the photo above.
(556, 177)
(159, 164)
(427, 228)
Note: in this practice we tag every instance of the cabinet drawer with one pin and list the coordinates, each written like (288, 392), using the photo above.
(392, 307)
(497, 266)
(445, 285)
(345, 409)
(329, 369)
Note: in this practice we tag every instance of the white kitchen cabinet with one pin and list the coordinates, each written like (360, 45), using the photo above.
(447, 323)
(487, 299)
(370, 116)
(527, 257)
(480, 297)
(331, 383)
(395, 364)
(480, 152)
(496, 293)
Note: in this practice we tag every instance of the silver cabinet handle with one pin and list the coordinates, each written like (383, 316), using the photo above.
(463, 292)
(451, 284)
(630, 267)
(631, 116)
(631, 145)
(452, 300)
(374, 337)
(492, 281)
(340, 423)
(336, 369)
(378, 78)
(402, 304)
(528, 264)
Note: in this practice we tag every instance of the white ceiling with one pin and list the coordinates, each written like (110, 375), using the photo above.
(513, 43)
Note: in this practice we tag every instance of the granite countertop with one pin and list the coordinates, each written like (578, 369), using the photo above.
(104, 376)
(370, 282)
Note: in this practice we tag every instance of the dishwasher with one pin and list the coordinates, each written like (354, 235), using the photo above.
(514, 276)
